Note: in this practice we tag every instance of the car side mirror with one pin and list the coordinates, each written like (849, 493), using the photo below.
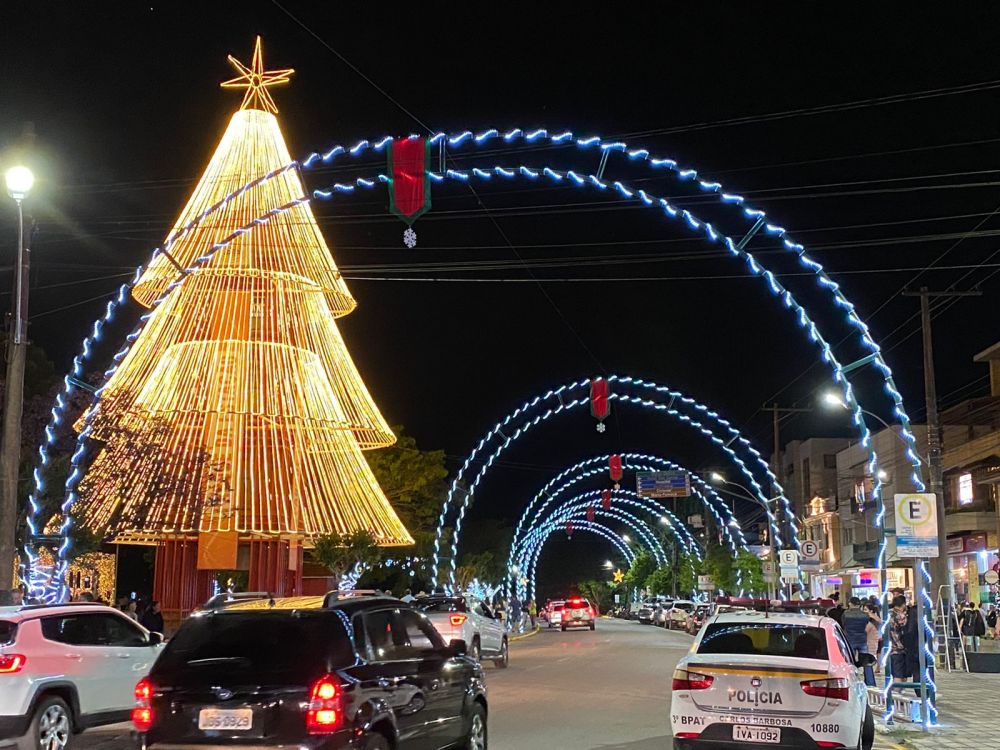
(864, 660)
(457, 647)
(155, 639)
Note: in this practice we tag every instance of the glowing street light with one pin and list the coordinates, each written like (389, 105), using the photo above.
(832, 399)
(19, 182)
(626, 539)
(716, 478)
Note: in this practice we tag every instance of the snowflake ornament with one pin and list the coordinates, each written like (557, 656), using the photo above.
(410, 238)
(601, 427)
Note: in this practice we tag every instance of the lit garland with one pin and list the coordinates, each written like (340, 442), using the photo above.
(754, 215)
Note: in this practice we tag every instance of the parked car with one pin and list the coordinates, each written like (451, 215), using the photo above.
(660, 613)
(675, 618)
(696, 618)
(67, 668)
(647, 610)
(471, 620)
(368, 673)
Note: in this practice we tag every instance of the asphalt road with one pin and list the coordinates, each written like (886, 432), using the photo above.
(580, 690)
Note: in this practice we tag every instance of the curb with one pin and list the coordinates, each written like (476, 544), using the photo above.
(536, 631)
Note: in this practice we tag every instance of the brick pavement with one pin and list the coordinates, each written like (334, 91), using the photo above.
(969, 707)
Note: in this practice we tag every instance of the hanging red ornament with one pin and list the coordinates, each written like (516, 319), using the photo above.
(600, 402)
(615, 465)
(569, 529)
(606, 499)
(410, 182)
(591, 512)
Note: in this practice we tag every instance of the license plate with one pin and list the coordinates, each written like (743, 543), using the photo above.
(767, 735)
(237, 719)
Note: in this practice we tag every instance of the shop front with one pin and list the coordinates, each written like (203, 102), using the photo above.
(970, 556)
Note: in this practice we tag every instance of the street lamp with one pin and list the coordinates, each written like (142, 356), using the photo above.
(626, 539)
(609, 565)
(19, 181)
(834, 400)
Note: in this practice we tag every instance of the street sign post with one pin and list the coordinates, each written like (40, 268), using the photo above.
(916, 525)
(661, 484)
(809, 560)
(705, 583)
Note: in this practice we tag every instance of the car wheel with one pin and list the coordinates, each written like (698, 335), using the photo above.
(376, 741)
(476, 651)
(562, 628)
(867, 731)
(476, 738)
(592, 626)
(501, 663)
(52, 725)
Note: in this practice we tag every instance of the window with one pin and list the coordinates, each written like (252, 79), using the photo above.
(764, 639)
(966, 490)
(7, 632)
(845, 650)
(829, 460)
(93, 629)
(449, 604)
(806, 479)
(483, 609)
(847, 536)
(399, 634)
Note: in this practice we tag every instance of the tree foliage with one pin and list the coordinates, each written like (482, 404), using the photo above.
(642, 566)
(341, 552)
(688, 568)
(413, 481)
(598, 592)
(752, 570)
(660, 581)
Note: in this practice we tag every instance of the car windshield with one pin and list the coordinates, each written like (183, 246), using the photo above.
(683, 605)
(764, 639)
(449, 604)
(289, 647)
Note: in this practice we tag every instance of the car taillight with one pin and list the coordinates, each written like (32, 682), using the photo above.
(142, 714)
(10, 663)
(837, 688)
(827, 743)
(324, 714)
(685, 680)
(687, 735)
(458, 621)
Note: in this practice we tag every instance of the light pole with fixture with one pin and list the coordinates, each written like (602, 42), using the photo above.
(718, 480)
(19, 182)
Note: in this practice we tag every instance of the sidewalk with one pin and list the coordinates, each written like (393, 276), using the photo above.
(969, 704)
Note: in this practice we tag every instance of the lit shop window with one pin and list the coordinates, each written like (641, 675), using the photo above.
(965, 491)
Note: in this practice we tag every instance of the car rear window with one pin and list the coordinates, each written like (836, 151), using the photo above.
(764, 639)
(261, 647)
(452, 604)
(578, 604)
(684, 606)
(558, 605)
(8, 630)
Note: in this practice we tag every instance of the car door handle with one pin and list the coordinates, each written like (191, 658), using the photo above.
(77, 657)
(123, 656)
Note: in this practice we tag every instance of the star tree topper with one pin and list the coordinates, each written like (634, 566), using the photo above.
(256, 81)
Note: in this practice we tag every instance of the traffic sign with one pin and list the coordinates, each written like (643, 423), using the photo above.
(705, 583)
(788, 562)
(659, 484)
(991, 577)
(770, 574)
(809, 561)
(916, 525)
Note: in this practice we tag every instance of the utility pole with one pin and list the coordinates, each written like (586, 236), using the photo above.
(19, 182)
(776, 414)
(940, 570)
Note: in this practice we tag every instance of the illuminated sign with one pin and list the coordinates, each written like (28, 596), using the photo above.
(966, 492)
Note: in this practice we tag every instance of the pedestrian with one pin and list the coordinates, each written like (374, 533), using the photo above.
(388, 592)
(130, 610)
(836, 612)
(874, 632)
(515, 614)
(152, 618)
(897, 635)
(532, 612)
(408, 596)
(991, 621)
(973, 625)
(856, 622)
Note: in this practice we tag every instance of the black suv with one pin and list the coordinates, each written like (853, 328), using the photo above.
(366, 673)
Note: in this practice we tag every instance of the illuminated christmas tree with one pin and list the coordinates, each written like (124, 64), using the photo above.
(238, 408)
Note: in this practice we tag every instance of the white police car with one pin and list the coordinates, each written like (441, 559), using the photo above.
(782, 680)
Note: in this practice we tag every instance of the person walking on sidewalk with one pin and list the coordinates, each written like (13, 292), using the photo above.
(874, 633)
(856, 622)
(515, 614)
(991, 621)
(532, 612)
(973, 625)
(897, 634)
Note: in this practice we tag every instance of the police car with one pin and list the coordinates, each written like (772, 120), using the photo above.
(774, 679)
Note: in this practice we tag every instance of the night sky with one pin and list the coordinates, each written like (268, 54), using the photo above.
(897, 177)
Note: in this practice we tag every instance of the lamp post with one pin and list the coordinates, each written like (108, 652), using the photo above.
(19, 181)
(718, 480)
